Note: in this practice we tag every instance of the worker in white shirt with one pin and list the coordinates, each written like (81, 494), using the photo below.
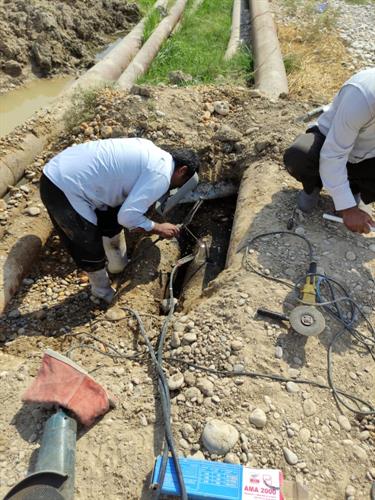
(339, 153)
(93, 190)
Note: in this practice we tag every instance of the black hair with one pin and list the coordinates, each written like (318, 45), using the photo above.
(185, 157)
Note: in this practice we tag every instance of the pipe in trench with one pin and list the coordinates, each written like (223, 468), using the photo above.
(195, 277)
(20, 249)
(14, 164)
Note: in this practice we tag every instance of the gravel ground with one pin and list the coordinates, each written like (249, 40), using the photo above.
(356, 24)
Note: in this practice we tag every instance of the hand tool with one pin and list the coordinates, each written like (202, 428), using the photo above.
(312, 114)
(334, 218)
(61, 382)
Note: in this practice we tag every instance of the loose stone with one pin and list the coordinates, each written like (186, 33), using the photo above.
(292, 387)
(219, 437)
(258, 418)
(206, 387)
(33, 211)
(175, 381)
(115, 314)
(309, 407)
(344, 422)
(290, 456)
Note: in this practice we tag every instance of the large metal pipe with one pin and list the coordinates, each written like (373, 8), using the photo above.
(13, 164)
(145, 56)
(270, 75)
(234, 41)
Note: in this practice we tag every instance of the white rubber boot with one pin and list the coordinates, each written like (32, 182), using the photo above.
(115, 250)
(101, 285)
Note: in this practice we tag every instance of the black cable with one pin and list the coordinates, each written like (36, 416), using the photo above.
(331, 305)
(270, 376)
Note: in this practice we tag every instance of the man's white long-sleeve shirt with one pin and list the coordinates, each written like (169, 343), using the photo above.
(349, 127)
(133, 173)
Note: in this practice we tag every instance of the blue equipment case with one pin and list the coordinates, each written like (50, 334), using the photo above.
(204, 480)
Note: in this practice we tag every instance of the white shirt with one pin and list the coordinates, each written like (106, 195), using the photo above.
(349, 127)
(133, 173)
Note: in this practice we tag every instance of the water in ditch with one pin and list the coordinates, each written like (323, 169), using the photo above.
(20, 104)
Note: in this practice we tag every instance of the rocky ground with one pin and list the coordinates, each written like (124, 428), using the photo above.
(359, 36)
(46, 38)
(323, 43)
(262, 423)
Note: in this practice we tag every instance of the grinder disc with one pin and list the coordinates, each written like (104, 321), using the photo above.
(307, 320)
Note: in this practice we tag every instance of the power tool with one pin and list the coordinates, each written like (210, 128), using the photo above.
(305, 319)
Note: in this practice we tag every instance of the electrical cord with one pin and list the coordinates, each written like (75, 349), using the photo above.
(332, 305)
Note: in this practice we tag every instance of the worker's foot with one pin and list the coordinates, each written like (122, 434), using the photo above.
(101, 285)
(307, 202)
(115, 250)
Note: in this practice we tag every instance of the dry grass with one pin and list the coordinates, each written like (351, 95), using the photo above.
(315, 62)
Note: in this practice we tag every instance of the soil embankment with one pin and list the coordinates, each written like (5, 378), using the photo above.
(48, 38)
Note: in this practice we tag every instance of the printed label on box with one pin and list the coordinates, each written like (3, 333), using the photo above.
(261, 484)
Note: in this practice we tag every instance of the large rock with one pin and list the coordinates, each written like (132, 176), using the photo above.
(179, 77)
(227, 134)
(12, 68)
(42, 56)
(219, 437)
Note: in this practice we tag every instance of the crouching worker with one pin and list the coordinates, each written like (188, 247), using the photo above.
(339, 153)
(93, 190)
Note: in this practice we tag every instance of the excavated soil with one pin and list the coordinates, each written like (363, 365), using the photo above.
(220, 331)
(47, 38)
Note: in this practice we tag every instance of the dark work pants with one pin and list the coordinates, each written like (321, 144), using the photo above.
(81, 238)
(301, 160)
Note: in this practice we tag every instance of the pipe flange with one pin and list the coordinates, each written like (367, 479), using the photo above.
(307, 320)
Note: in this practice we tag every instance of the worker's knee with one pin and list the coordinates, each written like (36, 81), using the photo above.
(297, 155)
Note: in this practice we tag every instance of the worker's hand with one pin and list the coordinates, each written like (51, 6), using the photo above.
(357, 220)
(166, 230)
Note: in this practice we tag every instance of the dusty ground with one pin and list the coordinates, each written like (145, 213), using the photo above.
(53, 37)
(221, 331)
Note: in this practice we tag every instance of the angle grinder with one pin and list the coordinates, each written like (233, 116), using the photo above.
(305, 319)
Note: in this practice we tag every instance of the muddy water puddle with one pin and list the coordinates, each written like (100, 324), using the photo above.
(20, 104)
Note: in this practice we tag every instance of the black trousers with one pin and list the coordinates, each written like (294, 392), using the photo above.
(81, 238)
(301, 160)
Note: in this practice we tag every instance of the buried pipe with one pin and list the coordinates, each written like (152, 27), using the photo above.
(145, 56)
(14, 164)
(19, 249)
(208, 191)
(254, 187)
(234, 41)
(195, 279)
(269, 70)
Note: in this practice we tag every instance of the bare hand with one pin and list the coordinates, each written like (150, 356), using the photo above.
(357, 220)
(166, 230)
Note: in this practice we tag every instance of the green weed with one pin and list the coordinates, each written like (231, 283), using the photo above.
(83, 106)
(292, 63)
(199, 46)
